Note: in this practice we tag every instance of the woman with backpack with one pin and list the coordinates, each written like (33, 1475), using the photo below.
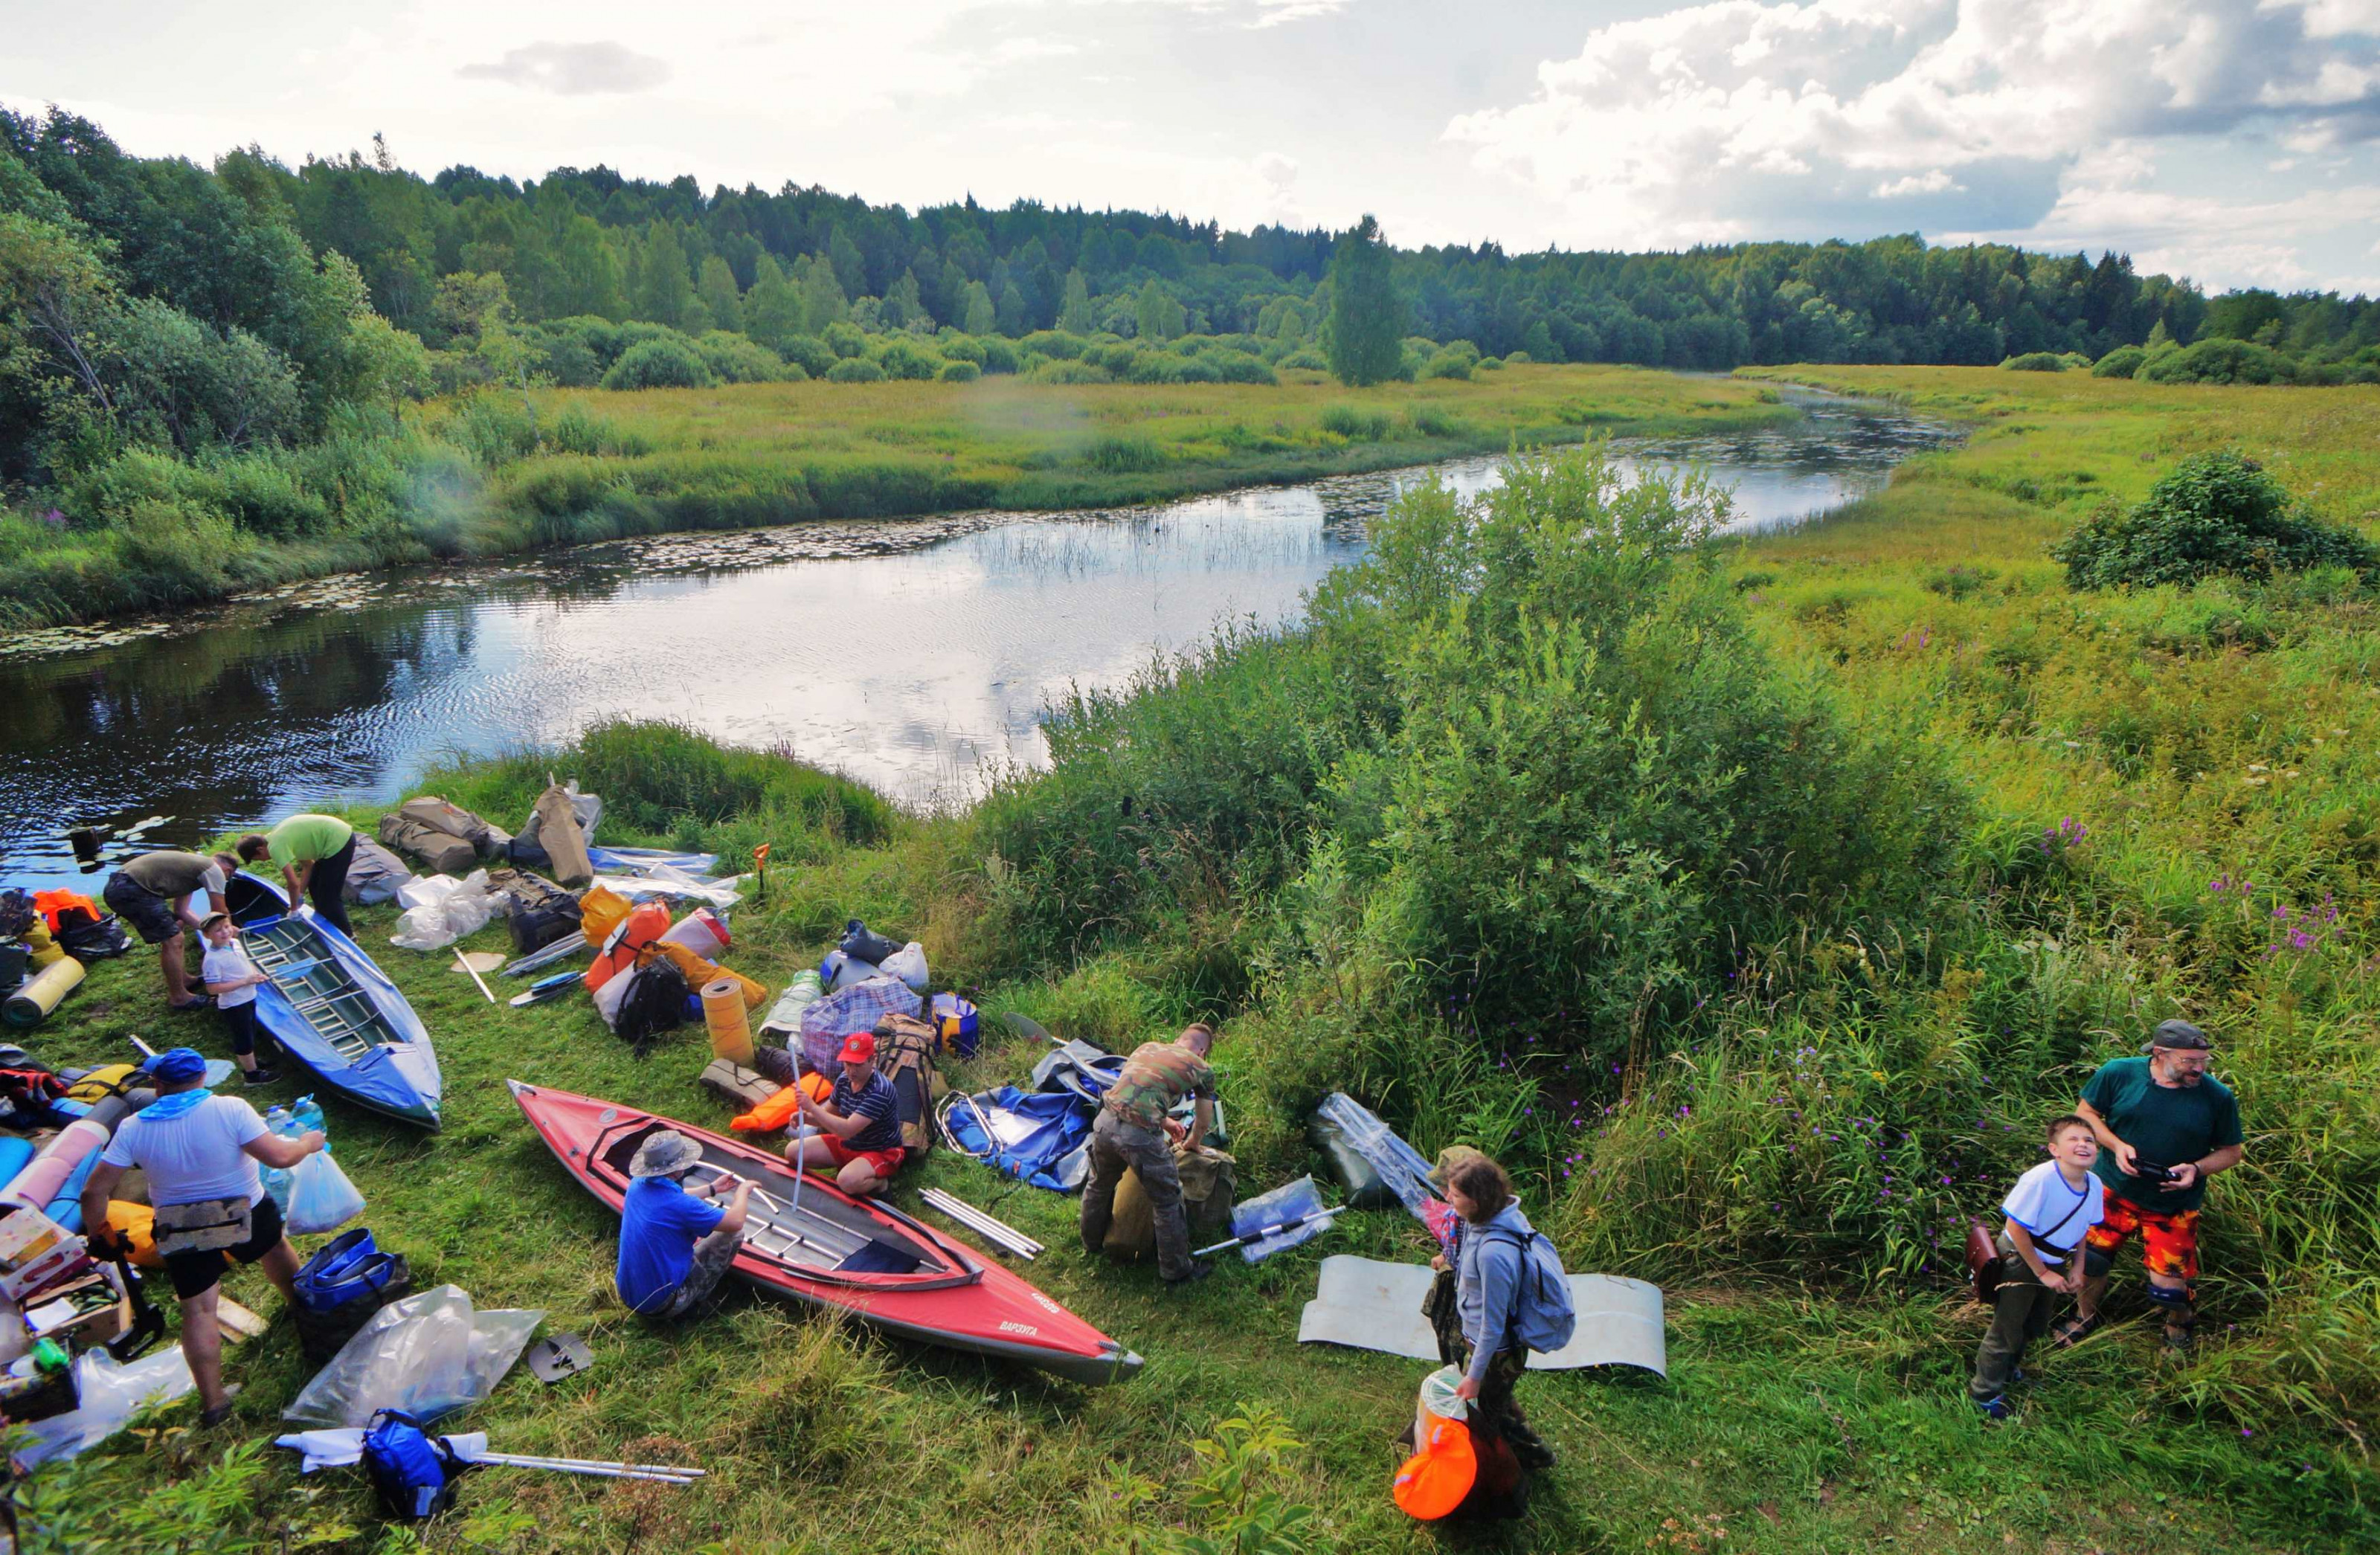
(1511, 1295)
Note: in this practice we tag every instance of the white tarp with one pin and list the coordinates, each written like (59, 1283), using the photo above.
(1368, 1304)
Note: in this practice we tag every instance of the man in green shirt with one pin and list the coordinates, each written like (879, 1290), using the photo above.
(313, 851)
(1132, 1132)
(151, 894)
(2165, 1125)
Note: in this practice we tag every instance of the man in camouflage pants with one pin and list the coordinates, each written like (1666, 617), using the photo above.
(1131, 1132)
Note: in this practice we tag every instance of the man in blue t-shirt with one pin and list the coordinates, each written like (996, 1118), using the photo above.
(674, 1244)
(2164, 1125)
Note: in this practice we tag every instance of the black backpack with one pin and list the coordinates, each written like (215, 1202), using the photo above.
(655, 1003)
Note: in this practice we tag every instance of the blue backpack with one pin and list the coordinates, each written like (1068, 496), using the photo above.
(413, 1472)
(1544, 1318)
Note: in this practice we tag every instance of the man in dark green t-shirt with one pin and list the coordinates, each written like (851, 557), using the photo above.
(2165, 1125)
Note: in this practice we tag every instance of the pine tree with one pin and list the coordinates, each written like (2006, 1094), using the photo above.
(1075, 312)
(1367, 317)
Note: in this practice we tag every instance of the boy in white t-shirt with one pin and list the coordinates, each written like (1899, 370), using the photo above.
(232, 978)
(2041, 1255)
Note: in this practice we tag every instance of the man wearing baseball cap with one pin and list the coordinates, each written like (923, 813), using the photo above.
(199, 1151)
(2165, 1125)
(858, 1123)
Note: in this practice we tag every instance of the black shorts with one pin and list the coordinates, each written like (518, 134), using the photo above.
(152, 915)
(197, 1273)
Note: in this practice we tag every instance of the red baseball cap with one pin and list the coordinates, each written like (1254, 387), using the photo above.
(858, 1048)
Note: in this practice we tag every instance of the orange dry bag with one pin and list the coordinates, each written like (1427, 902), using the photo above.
(1435, 1479)
(625, 945)
(779, 1110)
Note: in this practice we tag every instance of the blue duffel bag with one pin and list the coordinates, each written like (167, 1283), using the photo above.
(341, 1286)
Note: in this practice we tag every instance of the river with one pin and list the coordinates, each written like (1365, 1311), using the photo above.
(915, 655)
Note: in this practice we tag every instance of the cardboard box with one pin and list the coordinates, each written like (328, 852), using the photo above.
(35, 1252)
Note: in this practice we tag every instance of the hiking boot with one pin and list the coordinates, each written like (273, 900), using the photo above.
(210, 1418)
(260, 1075)
(1995, 1410)
(1197, 1271)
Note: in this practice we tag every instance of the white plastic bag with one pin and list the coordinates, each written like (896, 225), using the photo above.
(428, 1354)
(440, 909)
(320, 1197)
(108, 1396)
(1439, 1398)
(908, 964)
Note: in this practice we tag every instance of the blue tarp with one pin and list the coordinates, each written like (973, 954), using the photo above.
(1038, 1137)
(641, 860)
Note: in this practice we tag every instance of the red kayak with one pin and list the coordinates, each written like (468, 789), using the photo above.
(847, 1254)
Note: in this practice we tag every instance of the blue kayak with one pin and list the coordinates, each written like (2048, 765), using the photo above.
(340, 1017)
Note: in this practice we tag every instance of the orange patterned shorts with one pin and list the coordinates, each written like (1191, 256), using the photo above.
(2168, 1243)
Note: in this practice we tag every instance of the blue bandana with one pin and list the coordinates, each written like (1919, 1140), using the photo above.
(165, 1109)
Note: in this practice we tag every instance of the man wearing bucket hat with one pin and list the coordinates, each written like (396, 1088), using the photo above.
(676, 1245)
(858, 1123)
(2164, 1125)
(199, 1151)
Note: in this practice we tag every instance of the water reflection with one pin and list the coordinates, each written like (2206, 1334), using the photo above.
(911, 654)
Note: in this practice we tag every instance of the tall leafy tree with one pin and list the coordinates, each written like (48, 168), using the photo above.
(1367, 317)
(717, 290)
(824, 301)
(1075, 314)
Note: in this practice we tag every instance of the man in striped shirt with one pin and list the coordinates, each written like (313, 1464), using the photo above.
(1132, 1132)
(858, 1123)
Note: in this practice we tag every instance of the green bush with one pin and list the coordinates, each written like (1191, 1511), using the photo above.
(1356, 425)
(575, 430)
(854, 369)
(2037, 361)
(1490, 364)
(666, 363)
(845, 339)
(1434, 420)
(2219, 361)
(1069, 372)
(2122, 362)
(962, 348)
(960, 371)
(999, 355)
(2216, 514)
(1121, 454)
(903, 358)
(813, 356)
(735, 359)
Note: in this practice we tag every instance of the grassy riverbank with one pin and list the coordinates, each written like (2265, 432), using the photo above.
(1874, 840)
(494, 474)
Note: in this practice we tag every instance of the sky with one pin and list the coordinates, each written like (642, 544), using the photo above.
(2234, 141)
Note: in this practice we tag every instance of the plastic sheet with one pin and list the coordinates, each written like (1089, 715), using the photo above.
(641, 860)
(1349, 1125)
(1039, 1137)
(108, 1396)
(663, 880)
(440, 909)
(338, 1447)
(1288, 1202)
(428, 1355)
(320, 1197)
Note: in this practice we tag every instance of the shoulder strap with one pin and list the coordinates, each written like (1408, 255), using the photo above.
(2051, 1234)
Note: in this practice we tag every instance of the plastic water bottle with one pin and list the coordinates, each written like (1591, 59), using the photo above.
(277, 1178)
(306, 1115)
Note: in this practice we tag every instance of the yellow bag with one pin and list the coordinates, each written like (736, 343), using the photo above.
(114, 1079)
(599, 912)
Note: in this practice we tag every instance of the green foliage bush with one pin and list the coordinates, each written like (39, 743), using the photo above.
(1068, 372)
(960, 371)
(903, 358)
(2037, 361)
(845, 339)
(999, 356)
(736, 359)
(2122, 362)
(854, 369)
(1123, 454)
(1356, 424)
(2214, 514)
(2219, 361)
(810, 353)
(661, 363)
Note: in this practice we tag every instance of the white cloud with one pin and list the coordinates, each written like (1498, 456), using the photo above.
(1737, 119)
(574, 70)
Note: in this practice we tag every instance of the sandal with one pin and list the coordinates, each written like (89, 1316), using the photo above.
(2075, 1329)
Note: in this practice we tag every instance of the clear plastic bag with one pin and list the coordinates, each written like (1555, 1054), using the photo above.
(320, 1197)
(440, 909)
(908, 964)
(428, 1355)
(107, 1396)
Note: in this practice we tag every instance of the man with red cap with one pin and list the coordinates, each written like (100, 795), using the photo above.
(858, 1123)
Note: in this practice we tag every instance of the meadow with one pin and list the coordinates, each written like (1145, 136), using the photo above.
(495, 472)
(1755, 899)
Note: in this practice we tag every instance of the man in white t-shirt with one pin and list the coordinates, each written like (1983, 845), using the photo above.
(2046, 1215)
(201, 1149)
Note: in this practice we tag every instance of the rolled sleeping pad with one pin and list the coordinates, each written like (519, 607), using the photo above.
(42, 1180)
(32, 1003)
(16, 1154)
(109, 1111)
(722, 1012)
(66, 1206)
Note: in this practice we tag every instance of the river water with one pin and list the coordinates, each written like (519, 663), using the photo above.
(916, 655)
